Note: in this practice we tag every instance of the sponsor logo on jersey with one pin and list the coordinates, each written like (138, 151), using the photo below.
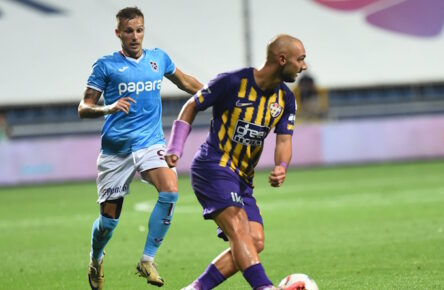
(123, 69)
(275, 110)
(249, 134)
(154, 66)
(139, 87)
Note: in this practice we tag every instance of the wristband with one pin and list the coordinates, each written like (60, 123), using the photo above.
(179, 134)
(284, 164)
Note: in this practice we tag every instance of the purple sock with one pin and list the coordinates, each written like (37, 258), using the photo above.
(255, 275)
(210, 278)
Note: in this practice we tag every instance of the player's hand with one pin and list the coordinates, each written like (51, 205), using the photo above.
(172, 160)
(277, 176)
(122, 104)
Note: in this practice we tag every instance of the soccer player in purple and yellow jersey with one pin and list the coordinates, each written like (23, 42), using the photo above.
(247, 104)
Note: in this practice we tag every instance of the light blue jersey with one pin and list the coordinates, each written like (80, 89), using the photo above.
(117, 76)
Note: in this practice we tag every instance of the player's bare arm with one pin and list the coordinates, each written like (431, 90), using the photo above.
(88, 107)
(282, 157)
(185, 82)
(186, 116)
(189, 111)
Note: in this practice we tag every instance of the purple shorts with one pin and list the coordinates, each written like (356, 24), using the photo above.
(217, 188)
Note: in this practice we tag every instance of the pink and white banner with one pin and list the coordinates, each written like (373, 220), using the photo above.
(74, 158)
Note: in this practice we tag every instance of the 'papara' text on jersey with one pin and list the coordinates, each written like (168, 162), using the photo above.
(139, 87)
(249, 134)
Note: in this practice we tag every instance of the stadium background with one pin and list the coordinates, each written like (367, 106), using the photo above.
(378, 68)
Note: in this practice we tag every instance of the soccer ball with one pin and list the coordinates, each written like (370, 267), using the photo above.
(302, 279)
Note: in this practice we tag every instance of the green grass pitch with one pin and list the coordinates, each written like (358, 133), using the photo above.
(351, 227)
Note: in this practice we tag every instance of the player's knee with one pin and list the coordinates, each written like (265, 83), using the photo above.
(172, 187)
(169, 185)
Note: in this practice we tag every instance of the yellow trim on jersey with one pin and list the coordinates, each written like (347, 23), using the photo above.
(222, 129)
(244, 163)
(255, 152)
(248, 114)
(243, 88)
(234, 159)
(238, 148)
(258, 121)
(252, 95)
(224, 160)
(227, 145)
(260, 111)
(200, 97)
(290, 127)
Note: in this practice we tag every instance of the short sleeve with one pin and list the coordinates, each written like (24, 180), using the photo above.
(286, 123)
(97, 78)
(211, 93)
(170, 67)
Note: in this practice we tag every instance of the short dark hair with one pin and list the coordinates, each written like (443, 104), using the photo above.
(128, 13)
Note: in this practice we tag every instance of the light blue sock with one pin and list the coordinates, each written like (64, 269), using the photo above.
(102, 231)
(159, 222)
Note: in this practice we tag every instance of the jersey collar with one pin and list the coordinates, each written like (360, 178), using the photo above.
(133, 59)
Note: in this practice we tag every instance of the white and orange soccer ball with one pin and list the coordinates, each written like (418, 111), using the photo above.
(299, 281)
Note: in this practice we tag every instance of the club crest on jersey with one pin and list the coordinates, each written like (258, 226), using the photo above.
(275, 110)
(154, 66)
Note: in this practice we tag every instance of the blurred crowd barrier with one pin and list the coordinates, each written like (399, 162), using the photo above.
(73, 158)
(314, 104)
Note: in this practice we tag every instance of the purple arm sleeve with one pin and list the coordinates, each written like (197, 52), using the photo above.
(179, 134)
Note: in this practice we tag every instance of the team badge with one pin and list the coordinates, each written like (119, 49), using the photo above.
(275, 110)
(154, 66)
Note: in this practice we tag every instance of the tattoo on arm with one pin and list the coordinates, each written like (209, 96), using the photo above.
(91, 96)
(88, 106)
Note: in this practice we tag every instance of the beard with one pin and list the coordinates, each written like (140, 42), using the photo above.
(290, 80)
(288, 76)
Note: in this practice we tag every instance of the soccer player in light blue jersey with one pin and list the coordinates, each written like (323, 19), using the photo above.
(132, 138)
(247, 104)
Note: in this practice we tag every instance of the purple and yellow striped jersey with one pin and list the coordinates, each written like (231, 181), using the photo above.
(243, 115)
